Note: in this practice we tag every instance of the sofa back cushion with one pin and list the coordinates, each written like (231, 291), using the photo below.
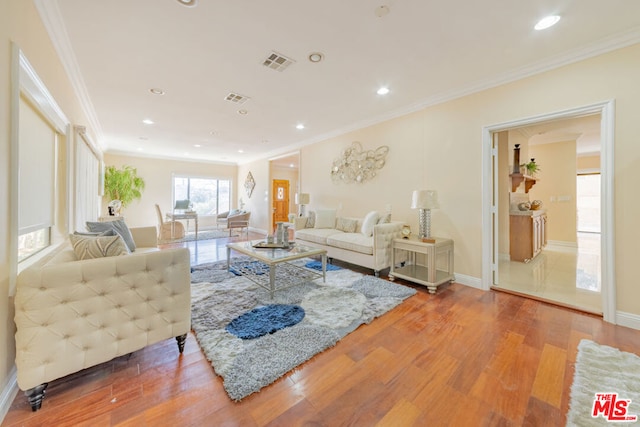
(325, 218)
(348, 225)
(119, 226)
(370, 220)
(90, 247)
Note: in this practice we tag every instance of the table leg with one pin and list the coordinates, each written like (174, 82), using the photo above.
(196, 227)
(272, 279)
(324, 268)
(228, 259)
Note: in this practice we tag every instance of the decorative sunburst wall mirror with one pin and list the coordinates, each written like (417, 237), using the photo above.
(249, 185)
(358, 165)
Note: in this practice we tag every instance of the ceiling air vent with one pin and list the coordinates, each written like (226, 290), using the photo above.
(237, 98)
(277, 61)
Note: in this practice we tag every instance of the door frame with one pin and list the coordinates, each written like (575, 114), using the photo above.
(606, 109)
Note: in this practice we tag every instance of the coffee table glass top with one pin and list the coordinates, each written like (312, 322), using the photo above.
(275, 255)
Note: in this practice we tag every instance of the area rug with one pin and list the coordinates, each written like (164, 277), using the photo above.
(609, 376)
(202, 235)
(331, 311)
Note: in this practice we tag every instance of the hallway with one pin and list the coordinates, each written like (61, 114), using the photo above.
(568, 276)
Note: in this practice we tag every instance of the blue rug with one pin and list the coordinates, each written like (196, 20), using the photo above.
(317, 265)
(265, 320)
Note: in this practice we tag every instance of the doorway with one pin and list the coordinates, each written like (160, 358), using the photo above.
(284, 175)
(491, 205)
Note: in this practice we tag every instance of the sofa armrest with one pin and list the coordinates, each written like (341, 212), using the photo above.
(383, 235)
(145, 237)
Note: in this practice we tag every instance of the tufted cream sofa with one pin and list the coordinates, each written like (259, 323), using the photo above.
(372, 252)
(71, 315)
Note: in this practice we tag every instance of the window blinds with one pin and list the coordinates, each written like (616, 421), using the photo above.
(36, 174)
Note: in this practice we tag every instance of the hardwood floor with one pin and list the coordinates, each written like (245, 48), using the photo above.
(461, 357)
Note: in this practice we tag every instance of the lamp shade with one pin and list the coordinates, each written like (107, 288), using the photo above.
(424, 199)
(302, 198)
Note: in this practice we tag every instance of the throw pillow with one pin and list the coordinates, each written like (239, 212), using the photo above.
(385, 219)
(347, 225)
(370, 220)
(88, 247)
(325, 218)
(96, 233)
(118, 226)
(311, 220)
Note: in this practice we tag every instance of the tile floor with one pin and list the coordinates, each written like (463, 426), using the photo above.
(565, 275)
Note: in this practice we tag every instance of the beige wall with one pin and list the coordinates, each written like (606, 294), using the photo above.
(259, 204)
(590, 163)
(20, 23)
(158, 176)
(556, 188)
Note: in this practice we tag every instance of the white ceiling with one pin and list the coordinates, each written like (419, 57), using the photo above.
(424, 51)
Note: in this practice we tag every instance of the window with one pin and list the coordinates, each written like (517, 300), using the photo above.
(208, 196)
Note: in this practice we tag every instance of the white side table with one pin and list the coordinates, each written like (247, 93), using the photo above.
(438, 268)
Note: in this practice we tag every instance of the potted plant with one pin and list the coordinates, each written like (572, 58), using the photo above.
(122, 184)
(530, 168)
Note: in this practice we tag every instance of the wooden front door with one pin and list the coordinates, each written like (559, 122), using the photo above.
(280, 201)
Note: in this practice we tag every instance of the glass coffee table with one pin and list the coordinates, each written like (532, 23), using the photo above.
(282, 273)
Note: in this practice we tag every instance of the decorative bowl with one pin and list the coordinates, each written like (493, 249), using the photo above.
(536, 204)
(524, 206)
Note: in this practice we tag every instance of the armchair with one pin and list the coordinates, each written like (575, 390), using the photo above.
(240, 221)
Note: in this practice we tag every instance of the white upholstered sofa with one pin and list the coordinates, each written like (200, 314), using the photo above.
(71, 315)
(360, 241)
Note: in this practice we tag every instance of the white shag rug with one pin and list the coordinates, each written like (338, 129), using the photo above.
(332, 310)
(601, 369)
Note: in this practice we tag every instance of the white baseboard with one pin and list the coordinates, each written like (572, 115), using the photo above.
(8, 394)
(561, 244)
(627, 319)
(471, 281)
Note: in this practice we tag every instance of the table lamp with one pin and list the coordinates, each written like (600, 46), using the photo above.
(425, 200)
(302, 199)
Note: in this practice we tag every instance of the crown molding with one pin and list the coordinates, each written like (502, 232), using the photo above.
(608, 44)
(54, 24)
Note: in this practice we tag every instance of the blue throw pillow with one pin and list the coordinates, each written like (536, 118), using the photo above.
(118, 226)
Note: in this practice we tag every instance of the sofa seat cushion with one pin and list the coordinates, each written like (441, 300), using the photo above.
(316, 235)
(355, 242)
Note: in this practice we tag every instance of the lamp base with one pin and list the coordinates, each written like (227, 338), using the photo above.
(428, 240)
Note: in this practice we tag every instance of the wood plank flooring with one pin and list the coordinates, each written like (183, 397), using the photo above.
(461, 357)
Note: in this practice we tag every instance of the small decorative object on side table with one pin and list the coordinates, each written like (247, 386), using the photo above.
(406, 231)
(438, 265)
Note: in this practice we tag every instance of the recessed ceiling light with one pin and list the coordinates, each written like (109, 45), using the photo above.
(243, 112)
(316, 57)
(240, 151)
(299, 126)
(197, 145)
(139, 148)
(383, 91)
(188, 3)
(547, 22)
(291, 165)
(148, 121)
(156, 91)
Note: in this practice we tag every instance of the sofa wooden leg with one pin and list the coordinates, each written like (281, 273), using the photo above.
(181, 340)
(35, 396)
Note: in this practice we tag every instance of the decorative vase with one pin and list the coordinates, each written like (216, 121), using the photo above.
(516, 159)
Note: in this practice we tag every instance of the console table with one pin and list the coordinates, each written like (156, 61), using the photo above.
(183, 216)
(438, 264)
